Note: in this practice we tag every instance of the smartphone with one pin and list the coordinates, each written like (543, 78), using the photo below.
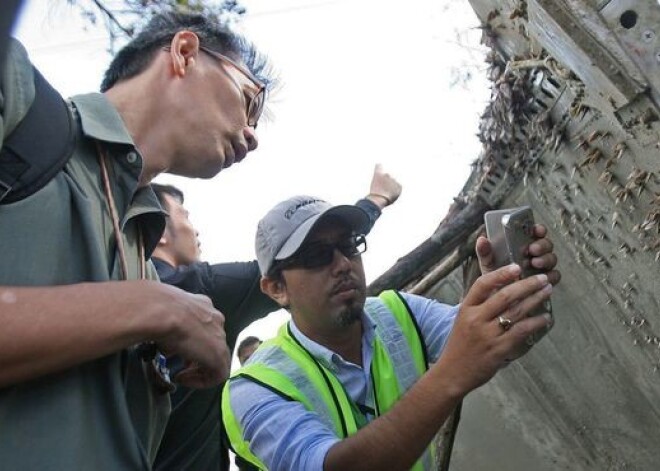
(496, 236)
(510, 232)
(518, 234)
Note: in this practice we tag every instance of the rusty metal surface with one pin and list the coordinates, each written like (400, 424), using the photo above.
(599, 61)
(586, 397)
(573, 129)
(636, 26)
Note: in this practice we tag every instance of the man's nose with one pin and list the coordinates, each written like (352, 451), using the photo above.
(340, 261)
(250, 135)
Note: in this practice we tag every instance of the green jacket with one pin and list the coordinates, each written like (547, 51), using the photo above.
(104, 414)
(399, 360)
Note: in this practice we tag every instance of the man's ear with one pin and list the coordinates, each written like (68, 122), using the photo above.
(184, 50)
(276, 289)
(165, 236)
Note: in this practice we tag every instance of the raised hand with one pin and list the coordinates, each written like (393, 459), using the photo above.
(384, 189)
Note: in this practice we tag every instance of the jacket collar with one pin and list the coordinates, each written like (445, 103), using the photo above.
(100, 120)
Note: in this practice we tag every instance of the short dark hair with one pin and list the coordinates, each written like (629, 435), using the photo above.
(136, 56)
(162, 190)
(246, 342)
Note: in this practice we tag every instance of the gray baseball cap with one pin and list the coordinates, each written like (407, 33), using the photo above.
(284, 228)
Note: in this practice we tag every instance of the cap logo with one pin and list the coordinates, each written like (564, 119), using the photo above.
(288, 214)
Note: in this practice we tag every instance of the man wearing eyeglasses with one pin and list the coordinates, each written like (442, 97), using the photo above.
(82, 313)
(365, 383)
(193, 439)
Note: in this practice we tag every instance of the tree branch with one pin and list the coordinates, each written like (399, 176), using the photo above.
(128, 32)
(449, 235)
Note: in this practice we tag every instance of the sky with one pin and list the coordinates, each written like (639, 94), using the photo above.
(363, 82)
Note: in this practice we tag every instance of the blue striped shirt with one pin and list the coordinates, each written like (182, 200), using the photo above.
(283, 434)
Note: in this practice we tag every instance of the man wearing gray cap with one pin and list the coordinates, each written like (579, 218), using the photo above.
(365, 383)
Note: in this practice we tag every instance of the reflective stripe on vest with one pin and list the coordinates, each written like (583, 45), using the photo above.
(284, 366)
(234, 432)
(399, 352)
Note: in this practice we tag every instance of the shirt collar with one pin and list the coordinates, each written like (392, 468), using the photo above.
(100, 120)
(324, 355)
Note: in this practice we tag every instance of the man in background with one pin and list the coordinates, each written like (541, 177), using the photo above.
(247, 347)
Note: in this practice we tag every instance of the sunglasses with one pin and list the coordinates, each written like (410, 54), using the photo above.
(320, 254)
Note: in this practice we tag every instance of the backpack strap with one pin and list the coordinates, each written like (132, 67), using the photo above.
(40, 145)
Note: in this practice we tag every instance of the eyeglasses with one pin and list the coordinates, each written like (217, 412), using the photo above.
(320, 254)
(255, 103)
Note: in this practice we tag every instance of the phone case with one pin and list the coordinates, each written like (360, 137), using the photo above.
(495, 233)
(510, 232)
(518, 234)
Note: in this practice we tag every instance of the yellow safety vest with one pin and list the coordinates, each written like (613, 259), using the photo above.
(399, 359)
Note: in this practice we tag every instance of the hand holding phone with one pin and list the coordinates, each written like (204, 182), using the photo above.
(510, 232)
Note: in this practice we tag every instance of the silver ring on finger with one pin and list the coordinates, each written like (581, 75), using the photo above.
(504, 322)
